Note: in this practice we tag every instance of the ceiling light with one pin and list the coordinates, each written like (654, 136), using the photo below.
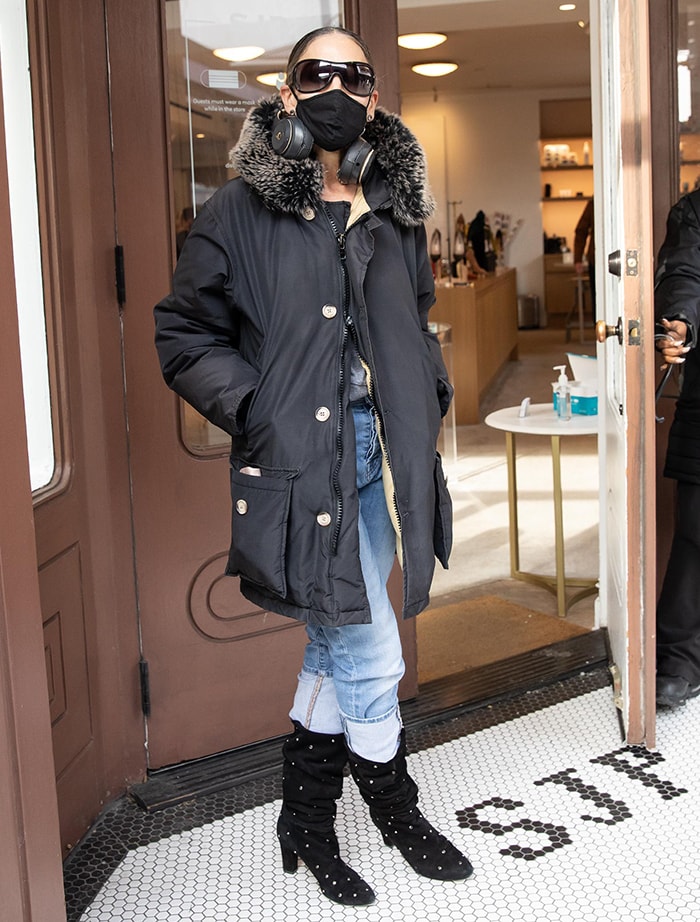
(276, 79)
(434, 69)
(567, 7)
(420, 40)
(244, 53)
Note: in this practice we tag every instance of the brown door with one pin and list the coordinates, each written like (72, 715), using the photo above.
(221, 673)
(625, 269)
(30, 871)
(81, 493)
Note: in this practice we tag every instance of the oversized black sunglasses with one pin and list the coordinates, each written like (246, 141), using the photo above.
(313, 74)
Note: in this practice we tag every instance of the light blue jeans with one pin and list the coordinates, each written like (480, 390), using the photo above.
(350, 674)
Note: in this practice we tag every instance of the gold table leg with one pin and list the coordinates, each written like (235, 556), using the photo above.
(558, 584)
(512, 506)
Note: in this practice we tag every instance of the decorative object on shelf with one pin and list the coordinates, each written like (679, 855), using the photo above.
(459, 249)
(436, 253)
(505, 230)
(436, 245)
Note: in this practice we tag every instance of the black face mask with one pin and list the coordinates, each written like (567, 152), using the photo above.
(334, 119)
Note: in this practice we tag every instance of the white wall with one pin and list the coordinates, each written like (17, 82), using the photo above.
(483, 152)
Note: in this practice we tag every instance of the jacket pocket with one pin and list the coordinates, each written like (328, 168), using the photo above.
(442, 532)
(260, 511)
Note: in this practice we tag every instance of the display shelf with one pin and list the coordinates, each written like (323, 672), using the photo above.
(566, 153)
(567, 166)
(567, 198)
(565, 184)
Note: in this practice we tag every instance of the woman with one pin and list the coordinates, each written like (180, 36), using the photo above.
(298, 323)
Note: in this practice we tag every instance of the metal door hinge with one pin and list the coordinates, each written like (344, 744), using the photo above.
(617, 685)
(145, 688)
(119, 274)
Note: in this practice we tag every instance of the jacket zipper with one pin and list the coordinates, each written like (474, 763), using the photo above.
(350, 329)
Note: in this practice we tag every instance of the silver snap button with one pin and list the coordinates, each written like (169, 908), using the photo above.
(308, 213)
(329, 311)
(323, 414)
(324, 519)
(241, 506)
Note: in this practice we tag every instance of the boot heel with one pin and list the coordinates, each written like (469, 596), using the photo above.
(290, 859)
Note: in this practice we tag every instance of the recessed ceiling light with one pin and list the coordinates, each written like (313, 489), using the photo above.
(567, 7)
(276, 79)
(244, 53)
(434, 69)
(418, 40)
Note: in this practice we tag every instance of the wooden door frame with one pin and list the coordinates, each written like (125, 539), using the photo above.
(638, 233)
(377, 21)
(31, 880)
(88, 514)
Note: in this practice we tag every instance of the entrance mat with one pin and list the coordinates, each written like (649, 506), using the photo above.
(477, 632)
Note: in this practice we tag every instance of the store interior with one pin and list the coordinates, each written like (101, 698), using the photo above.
(509, 133)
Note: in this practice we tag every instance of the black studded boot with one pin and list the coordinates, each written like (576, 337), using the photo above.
(312, 781)
(392, 796)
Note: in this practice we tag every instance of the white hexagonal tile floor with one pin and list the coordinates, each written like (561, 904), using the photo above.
(561, 820)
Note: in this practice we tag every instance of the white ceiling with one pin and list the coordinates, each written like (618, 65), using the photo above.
(498, 44)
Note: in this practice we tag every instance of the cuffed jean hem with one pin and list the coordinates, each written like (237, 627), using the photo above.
(377, 738)
(315, 704)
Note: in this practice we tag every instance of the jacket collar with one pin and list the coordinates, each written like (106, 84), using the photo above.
(398, 181)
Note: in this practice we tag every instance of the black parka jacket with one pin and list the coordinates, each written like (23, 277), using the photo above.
(254, 335)
(677, 297)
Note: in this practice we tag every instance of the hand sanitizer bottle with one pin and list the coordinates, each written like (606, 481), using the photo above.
(563, 392)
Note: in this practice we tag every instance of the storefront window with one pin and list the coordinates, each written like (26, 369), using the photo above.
(24, 213)
(688, 62)
(223, 56)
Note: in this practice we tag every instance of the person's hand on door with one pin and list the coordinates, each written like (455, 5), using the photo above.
(671, 344)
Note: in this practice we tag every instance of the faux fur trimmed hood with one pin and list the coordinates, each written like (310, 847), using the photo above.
(292, 186)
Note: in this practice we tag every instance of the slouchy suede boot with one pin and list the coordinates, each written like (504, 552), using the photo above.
(392, 796)
(312, 781)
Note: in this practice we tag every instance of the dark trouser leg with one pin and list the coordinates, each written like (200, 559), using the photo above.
(678, 610)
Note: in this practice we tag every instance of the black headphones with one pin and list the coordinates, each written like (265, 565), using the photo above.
(293, 140)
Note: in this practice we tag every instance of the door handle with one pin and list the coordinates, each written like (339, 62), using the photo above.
(603, 330)
(615, 265)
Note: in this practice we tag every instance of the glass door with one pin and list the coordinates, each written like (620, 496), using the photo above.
(222, 59)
